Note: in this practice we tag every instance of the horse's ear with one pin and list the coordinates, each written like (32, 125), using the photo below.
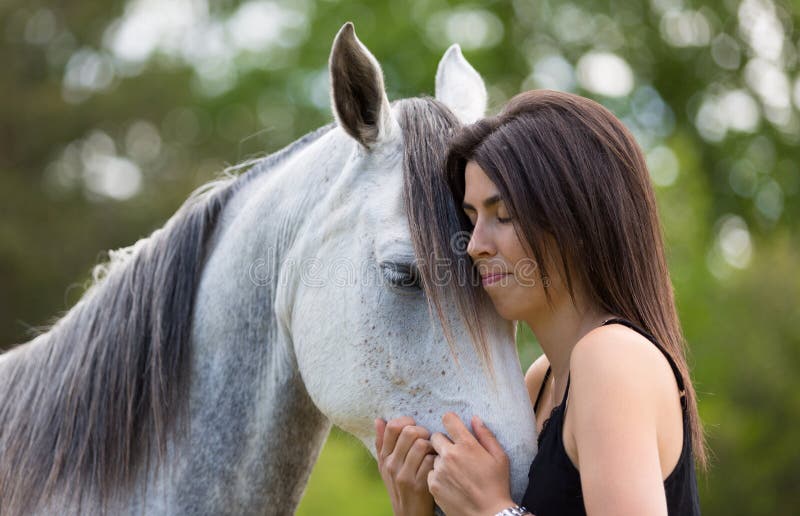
(460, 87)
(358, 95)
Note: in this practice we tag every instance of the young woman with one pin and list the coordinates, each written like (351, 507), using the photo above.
(565, 237)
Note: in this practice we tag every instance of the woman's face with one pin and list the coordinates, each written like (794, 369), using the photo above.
(509, 274)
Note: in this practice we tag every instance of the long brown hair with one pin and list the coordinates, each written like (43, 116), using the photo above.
(569, 170)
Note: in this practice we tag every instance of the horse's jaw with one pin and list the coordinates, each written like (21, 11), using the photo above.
(393, 370)
(503, 405)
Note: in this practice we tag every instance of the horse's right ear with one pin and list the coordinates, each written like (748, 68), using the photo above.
(358, 95)
(460, 87)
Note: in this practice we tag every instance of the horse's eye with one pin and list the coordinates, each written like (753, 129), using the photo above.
(403, 276)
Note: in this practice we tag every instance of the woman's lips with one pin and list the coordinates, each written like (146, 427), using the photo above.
(490, 279)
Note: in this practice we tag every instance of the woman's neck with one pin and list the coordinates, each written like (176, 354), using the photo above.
(559, 330)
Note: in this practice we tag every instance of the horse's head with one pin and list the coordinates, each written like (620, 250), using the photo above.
(365, 340)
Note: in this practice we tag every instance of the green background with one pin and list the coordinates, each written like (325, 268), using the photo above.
(112, 112)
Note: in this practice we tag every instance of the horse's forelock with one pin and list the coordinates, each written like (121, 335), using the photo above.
(428, 125)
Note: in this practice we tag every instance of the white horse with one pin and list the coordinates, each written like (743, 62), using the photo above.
(203, 370)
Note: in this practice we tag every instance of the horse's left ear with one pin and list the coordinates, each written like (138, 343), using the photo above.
(359, 98)
(460, 87)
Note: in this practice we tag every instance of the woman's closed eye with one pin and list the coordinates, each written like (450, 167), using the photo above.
(501, 220)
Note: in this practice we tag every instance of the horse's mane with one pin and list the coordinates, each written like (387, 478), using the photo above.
(85, 404)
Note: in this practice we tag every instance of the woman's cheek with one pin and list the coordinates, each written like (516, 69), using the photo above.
(526, 273)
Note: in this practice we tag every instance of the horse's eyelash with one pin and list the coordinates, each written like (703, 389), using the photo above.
(395, 275)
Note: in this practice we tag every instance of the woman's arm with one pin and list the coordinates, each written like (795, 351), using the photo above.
(620, 383)
(405, 457)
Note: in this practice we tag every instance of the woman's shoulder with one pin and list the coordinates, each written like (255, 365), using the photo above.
(614, 365)
(615, 352)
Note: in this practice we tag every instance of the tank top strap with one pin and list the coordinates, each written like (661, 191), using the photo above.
(648, 336)
(541, 389)
(564, 399)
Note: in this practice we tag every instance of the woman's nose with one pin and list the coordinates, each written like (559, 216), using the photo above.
(481, 243)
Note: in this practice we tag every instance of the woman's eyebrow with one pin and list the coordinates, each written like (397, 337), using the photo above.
(489, 201)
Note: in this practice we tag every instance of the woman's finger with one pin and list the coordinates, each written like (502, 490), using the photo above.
(487, 439)
(392, 432)
(380, 428)
(408, 436)
(440, 443)
(425, 467)
(456, 428)
(416, 453)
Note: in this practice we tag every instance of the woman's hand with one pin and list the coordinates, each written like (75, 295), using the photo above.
(470, 476)
(404, 461)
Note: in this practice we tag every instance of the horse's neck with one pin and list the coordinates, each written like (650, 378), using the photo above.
(246, 452)
(255, 433)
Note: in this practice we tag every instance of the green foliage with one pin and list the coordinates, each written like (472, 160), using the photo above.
(100, 141)
(345, 477)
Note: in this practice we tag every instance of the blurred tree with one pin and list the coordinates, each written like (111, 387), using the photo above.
(112, 112)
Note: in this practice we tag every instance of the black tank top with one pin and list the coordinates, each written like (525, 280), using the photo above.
(554, 484)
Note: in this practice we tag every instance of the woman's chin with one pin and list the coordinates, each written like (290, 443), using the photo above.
(506, 309)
